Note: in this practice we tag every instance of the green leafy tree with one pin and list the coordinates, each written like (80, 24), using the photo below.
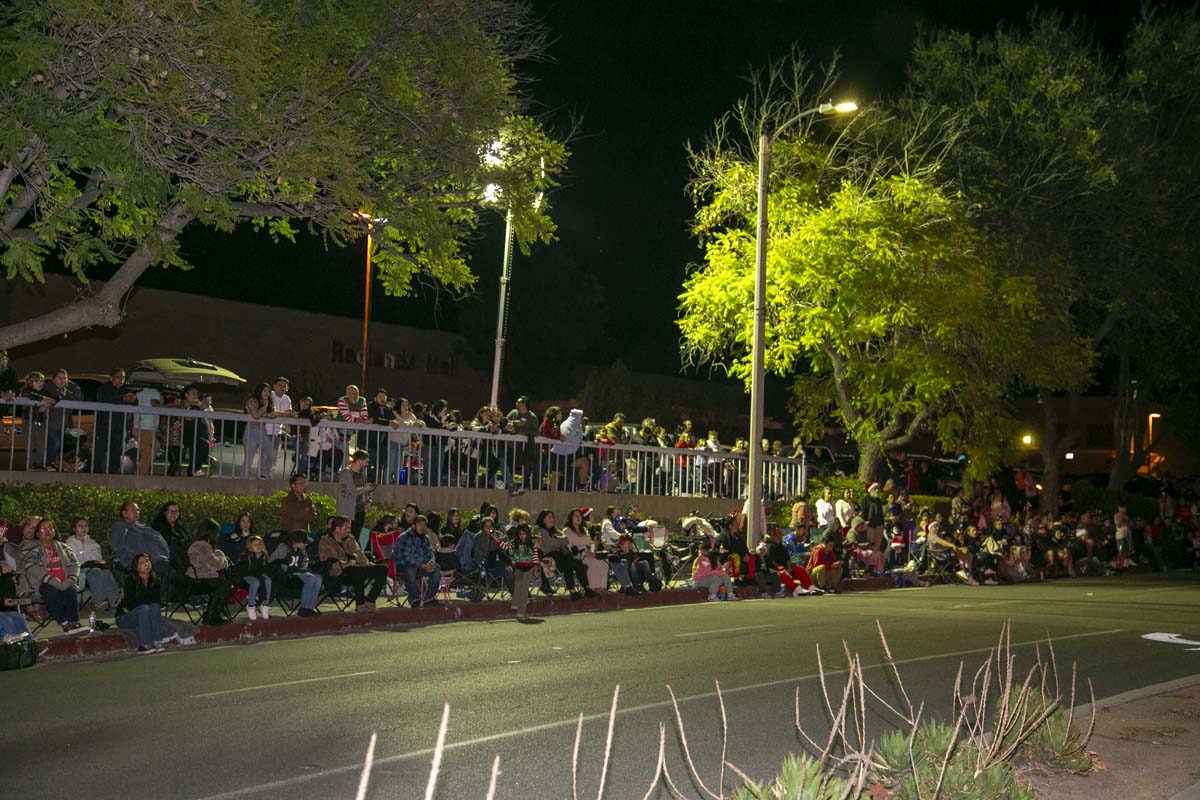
(123, 122)
(886, 305)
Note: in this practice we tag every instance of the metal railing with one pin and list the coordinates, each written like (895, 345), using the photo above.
(98, 438)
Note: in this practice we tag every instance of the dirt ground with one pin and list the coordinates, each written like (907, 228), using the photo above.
(1145, 749)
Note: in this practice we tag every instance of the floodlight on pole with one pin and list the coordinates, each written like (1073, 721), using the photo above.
(369, 222)
(760, 309)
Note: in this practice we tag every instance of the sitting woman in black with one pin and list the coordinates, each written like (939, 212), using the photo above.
(140, 609)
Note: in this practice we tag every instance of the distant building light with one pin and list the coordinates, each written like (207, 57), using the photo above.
(1070, 456)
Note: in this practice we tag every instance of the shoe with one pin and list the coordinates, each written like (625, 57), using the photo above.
(370, 606)
(307, 612)
(712, 598)
(144, 650)
(252, 612)
(781, 593)
(187, 641)
(799, 591)
(590, 593)
(73, 628)
(963, 576)
(733, 596)
(991, 582)
(361, 608)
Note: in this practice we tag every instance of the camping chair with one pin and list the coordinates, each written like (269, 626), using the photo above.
(381, 545)
(943, 566)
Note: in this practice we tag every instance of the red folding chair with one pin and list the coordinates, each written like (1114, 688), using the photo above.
(381, 545)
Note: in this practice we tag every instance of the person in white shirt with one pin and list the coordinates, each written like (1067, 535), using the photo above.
(147, 428)
(283, 408)
(844, 509)
(826, 516)
(93, 568)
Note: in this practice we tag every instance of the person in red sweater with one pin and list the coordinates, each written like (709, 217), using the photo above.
(824, 568)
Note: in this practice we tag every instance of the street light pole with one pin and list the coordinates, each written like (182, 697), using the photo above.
(500, 315)
(753, 534)
(369, 222)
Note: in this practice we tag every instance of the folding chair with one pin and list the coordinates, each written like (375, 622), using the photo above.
(36, 616)
(943, 567)
(341, 595)
(381, 545)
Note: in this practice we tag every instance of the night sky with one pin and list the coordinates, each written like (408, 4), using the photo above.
(644, 78)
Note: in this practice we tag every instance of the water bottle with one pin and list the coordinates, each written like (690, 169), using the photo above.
(721, 593)
(92, 620)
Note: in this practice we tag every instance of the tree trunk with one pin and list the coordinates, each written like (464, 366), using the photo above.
(870, 461)
(1054, 447)
(104, 308)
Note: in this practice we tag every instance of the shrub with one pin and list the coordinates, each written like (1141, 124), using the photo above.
(1089, 497)
(102, 506)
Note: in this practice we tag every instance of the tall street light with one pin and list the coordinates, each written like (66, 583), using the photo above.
(369, 222)
(492, 193)
(760, 311)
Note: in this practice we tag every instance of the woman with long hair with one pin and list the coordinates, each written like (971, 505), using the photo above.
(140, 609)
(593, 570)
(208, 568)
(52, 571)
(254, 440)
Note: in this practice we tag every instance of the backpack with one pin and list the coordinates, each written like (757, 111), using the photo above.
(18, 653)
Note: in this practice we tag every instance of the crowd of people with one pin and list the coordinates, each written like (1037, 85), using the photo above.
(583, 456)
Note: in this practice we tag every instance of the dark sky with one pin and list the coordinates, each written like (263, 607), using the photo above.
(644, 77)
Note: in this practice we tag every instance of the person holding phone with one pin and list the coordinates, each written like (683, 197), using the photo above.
(353, 490)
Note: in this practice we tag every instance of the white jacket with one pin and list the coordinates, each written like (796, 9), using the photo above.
(571, 431)
(85, 551)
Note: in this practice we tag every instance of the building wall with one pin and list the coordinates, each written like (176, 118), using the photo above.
(319, 353)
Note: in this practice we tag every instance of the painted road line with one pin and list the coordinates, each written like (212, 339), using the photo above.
(990, 603)
(284, 783)
(285, 683)
(711, 632)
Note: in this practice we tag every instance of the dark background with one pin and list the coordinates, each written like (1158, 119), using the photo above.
(643, 78)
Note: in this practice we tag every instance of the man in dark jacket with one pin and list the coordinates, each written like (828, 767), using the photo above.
(112, 427)
(872, 512)
(523, 422)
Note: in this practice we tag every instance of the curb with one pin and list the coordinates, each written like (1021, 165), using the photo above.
(94, 645)
(1137, 694)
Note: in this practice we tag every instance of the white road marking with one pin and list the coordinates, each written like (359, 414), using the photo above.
(725, 630)
(992, 603)
(334, 771)
(285, 683)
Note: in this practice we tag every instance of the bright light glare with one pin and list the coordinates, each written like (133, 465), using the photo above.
(1070, 456)
(491, 193)
(1027, 439)
(847, 107)
(491, 156)
(1155, 415)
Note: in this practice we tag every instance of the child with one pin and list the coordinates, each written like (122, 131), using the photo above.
(290, 559)
(524, 564)
(705, 576)
(253, 569)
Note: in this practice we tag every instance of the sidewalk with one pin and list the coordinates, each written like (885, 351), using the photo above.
(1146, 746)
(109, 643)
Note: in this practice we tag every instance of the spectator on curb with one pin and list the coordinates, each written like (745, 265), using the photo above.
(208, 568)
(826, 516)
(789, 564)
(872, 512)
(766, 573)
(712, 579)
(233, 543)
(129, 536)
(140, 609)
(414, 556)
(94, 573)
(824, 567)
(289, 558)
(296, 511)
(353, 490)
(12, 621)
(12, 549)
(253, 570)
(639, 566)
(525, 565)
(489, 556)
(844, 509)
(168, 524)
(51, 571)
(343, 562)
(452, 528)
(592, 570)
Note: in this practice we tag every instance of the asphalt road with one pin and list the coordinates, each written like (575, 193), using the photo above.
(293, 718)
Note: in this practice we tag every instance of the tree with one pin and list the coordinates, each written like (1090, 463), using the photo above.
(1086, 168)
(124, 122)
(886, 304)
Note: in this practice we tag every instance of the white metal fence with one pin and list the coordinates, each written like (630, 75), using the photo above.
(98, 438)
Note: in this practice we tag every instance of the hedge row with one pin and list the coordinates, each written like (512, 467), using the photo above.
(101, 506)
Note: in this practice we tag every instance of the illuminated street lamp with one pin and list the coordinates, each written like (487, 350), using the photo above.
(1150, 421)
(369, 222)
(760, 308)
(492, 194)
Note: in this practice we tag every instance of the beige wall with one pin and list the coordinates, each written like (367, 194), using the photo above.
(318, 352)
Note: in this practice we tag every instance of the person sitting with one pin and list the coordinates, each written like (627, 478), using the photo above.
(168, 522)
(17, 536)
(824, 567)
(129, 536)
(636, 564)
(289, 560)
(731, 546)
(140, 609)
(12, 621)
(233, 543)
(766, 574)
(414, 557)
(93, 569)
(712, 579)
(489, 556)
(208, 568)
(865, 550)
(592, 569)
(452, 528)
(342, 562)
(788, 563)
(253, 570)
(52, 572)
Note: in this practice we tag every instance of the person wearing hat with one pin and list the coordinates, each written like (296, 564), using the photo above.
(870, 555)
(289, 560)
(353, 491)
(872, 512)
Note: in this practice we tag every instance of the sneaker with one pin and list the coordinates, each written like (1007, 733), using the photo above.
(73, 628)
(264, 612)
(799, 591)
(361, 609)
(187, 641)
(781, 593)
(144, 650)
(712, 598)
(307, 612)
(963, 576)
(991, 582)
(252, 612)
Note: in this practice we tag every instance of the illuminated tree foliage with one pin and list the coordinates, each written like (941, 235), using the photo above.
(124, 121)
(887, 306)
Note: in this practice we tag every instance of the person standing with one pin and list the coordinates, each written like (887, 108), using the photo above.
(282, 404)
(525, 565)
(60, 388)
(254, 440)
(354, 492)
(523, 422)
(146, 426)
(112, 425)
(380, 413)
(872, 512)
(197, 434)
(296, 511)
